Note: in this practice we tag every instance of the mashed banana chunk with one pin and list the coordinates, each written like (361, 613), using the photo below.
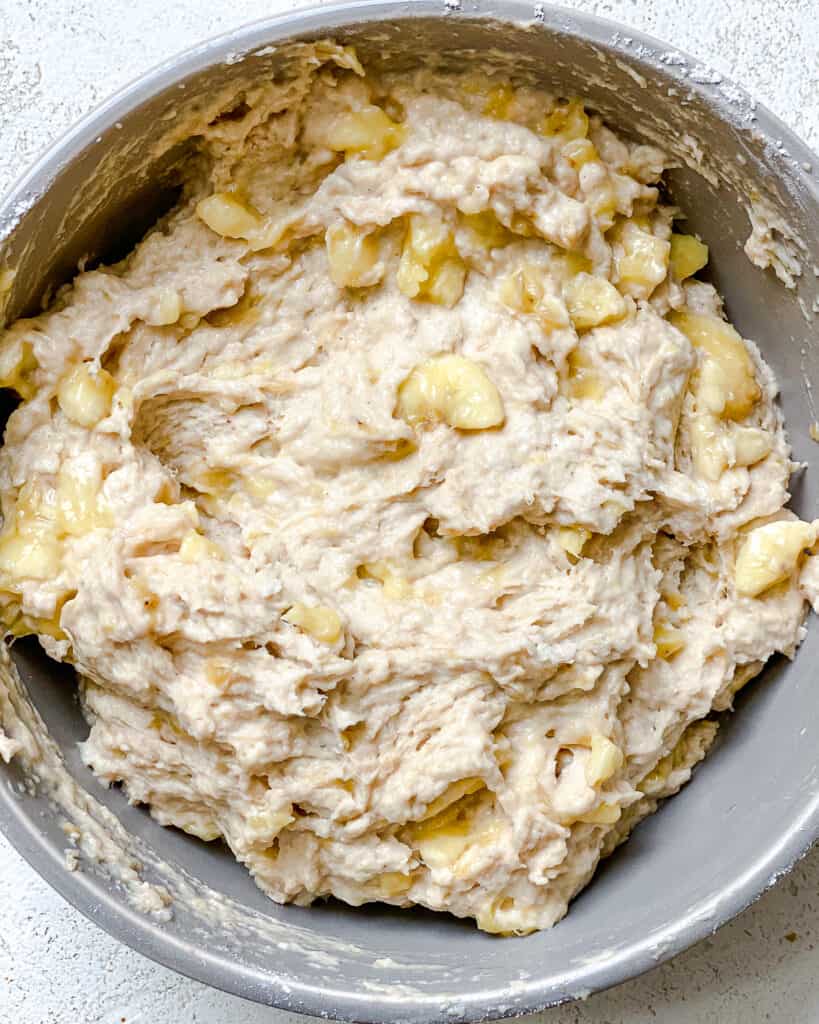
(404, 502)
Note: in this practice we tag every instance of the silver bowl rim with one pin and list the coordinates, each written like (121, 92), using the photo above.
(111, 912)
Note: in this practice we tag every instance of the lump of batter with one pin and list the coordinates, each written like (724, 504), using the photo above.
(404, 502)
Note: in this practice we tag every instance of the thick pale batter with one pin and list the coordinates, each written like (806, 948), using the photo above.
(403, 502)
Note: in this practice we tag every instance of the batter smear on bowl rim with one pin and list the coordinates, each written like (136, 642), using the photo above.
(404, 502)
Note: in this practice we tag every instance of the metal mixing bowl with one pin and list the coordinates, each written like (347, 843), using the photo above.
(753, 807)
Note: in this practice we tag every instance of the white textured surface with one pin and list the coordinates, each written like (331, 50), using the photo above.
(58, 58)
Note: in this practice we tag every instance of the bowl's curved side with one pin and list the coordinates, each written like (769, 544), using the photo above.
(722, 841)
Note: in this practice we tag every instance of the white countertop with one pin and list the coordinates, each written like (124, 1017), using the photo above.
(59, 58)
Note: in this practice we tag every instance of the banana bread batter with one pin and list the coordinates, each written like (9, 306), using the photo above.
(404, 502)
